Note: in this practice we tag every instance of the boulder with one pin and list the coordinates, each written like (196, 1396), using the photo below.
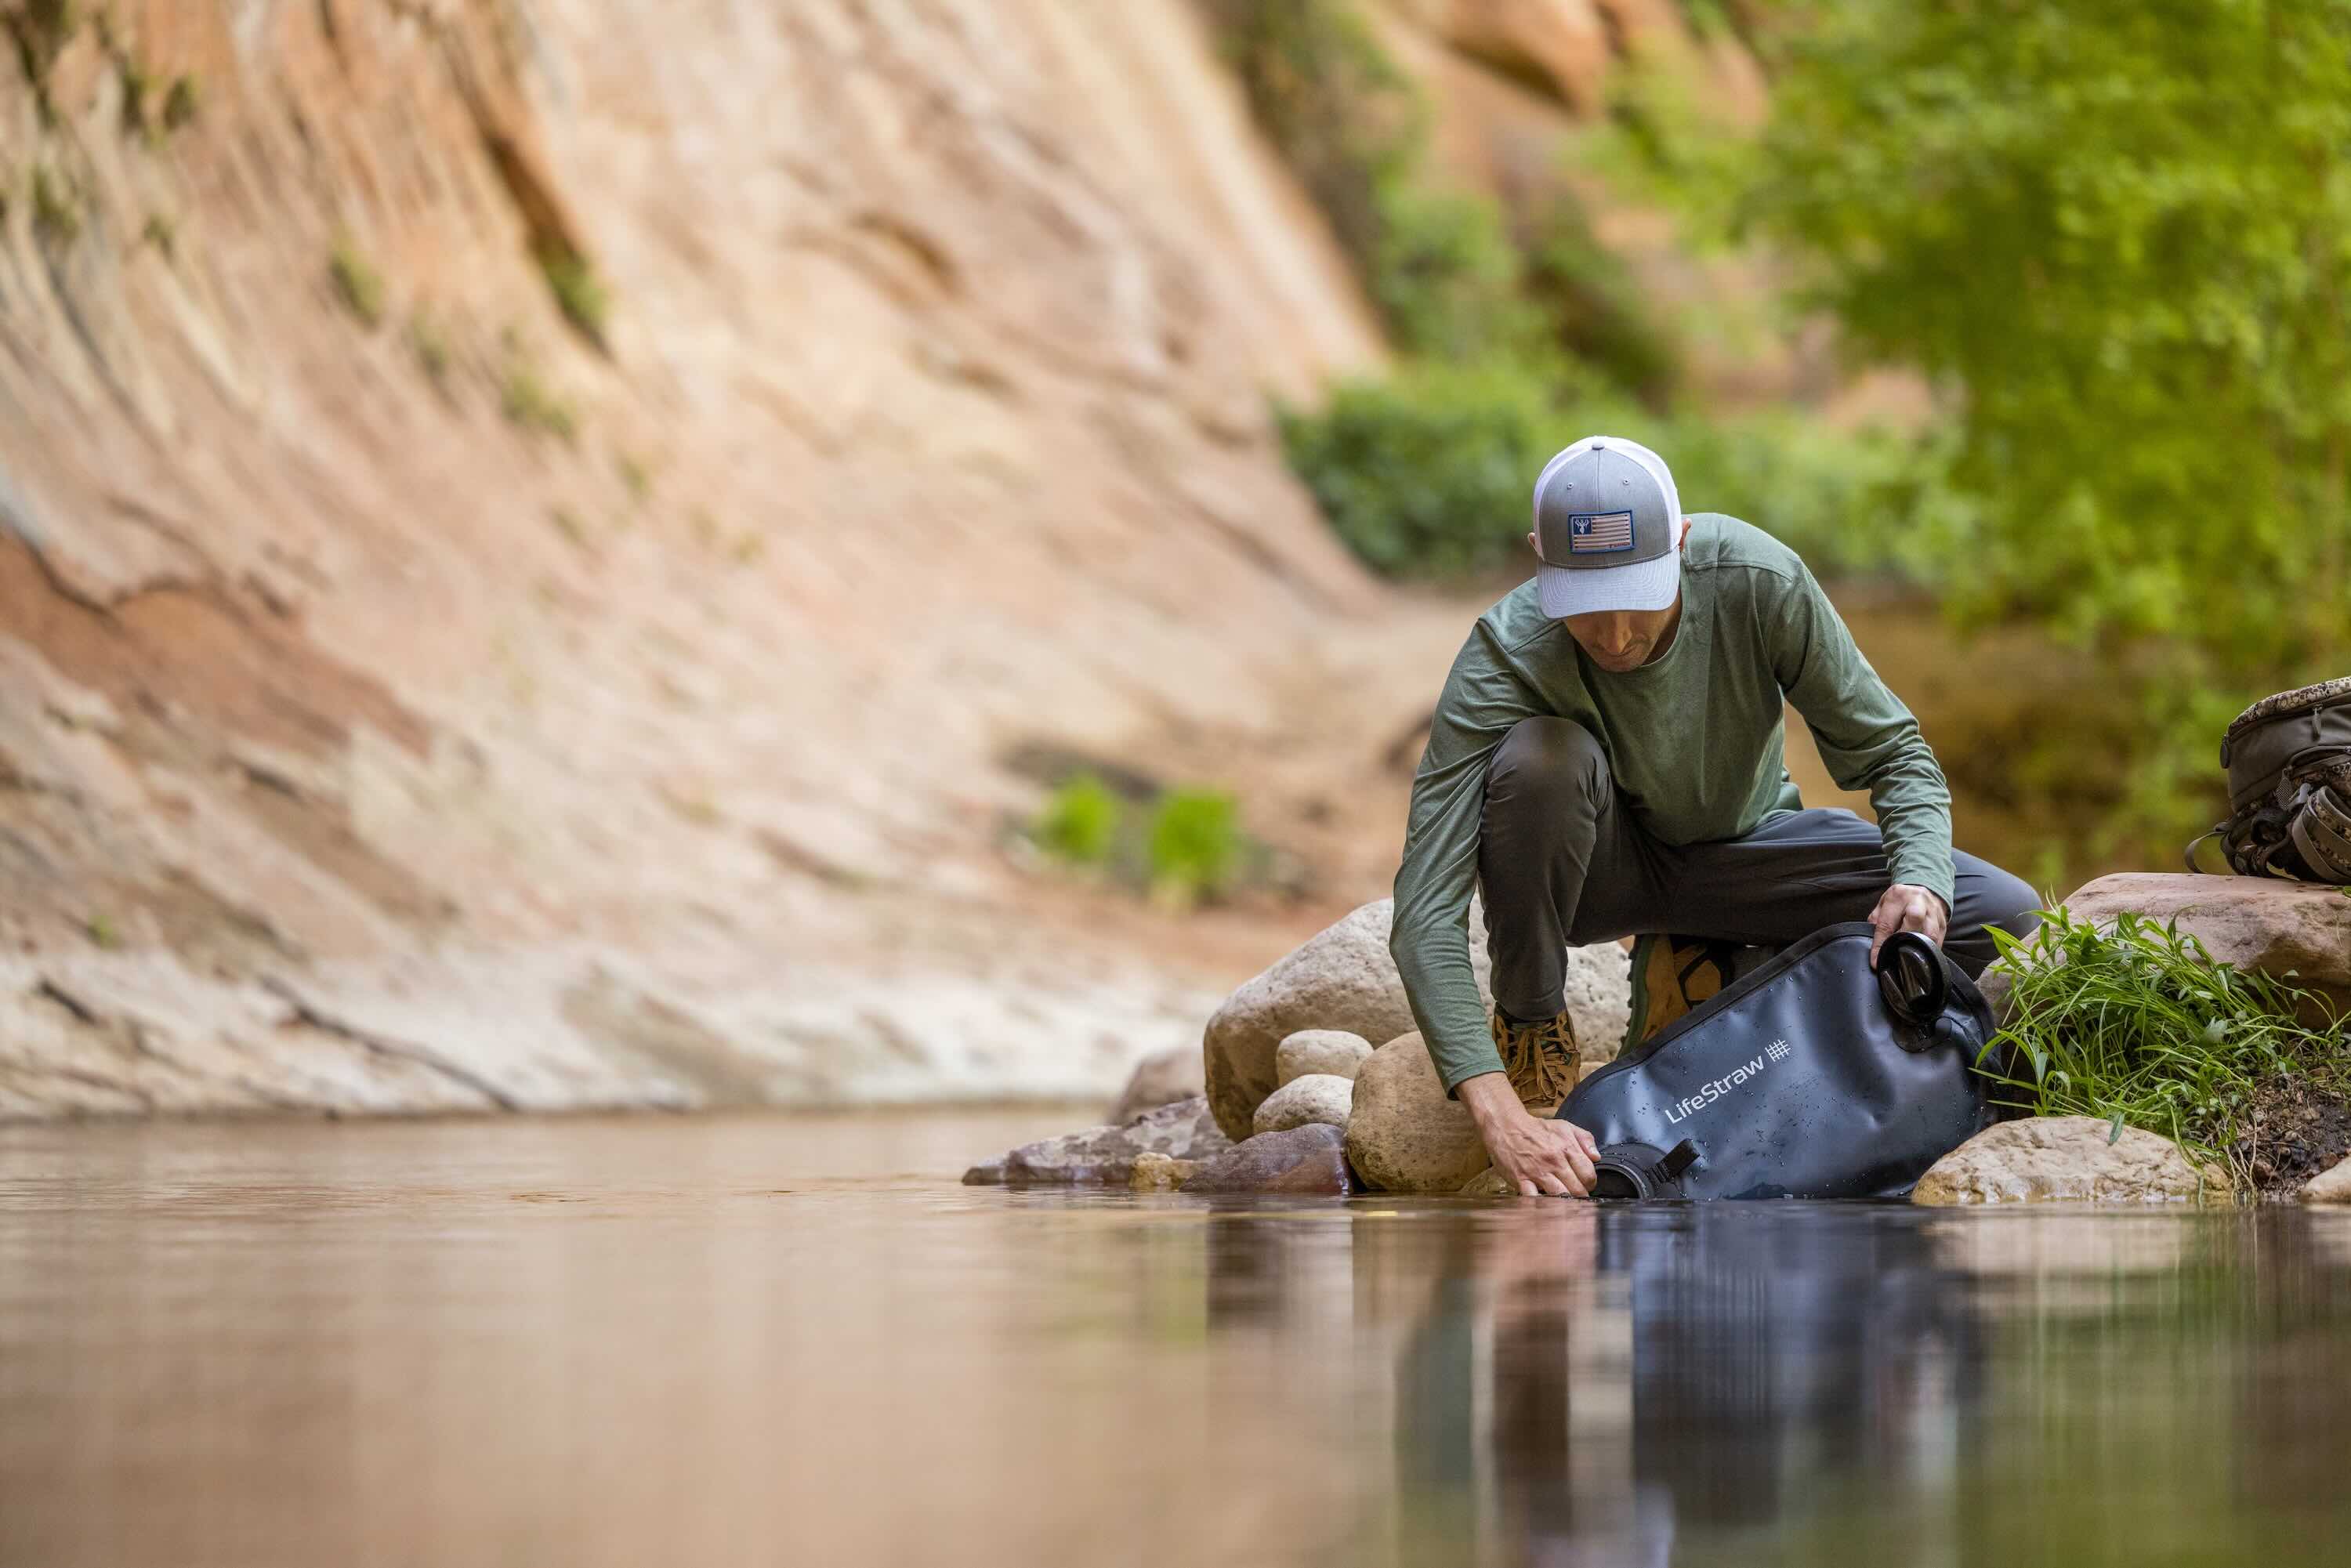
(1323, 1097)
(2298, 932)
(1105, 1157)
(2332, 1184)
(1406, 1136)
(1342, 978)
(1160, 1079)
(1331, 1050)
(1159, 1173)
(1308, 1159)
(2068, 1159)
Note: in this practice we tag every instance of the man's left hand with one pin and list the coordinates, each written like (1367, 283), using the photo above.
(1906, 906)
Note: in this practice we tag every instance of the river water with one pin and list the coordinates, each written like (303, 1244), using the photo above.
(796, 1340)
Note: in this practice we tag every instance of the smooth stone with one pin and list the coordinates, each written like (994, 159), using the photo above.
(2332, 1184)
(1406, 1136)
(1160, 1079)
(2067, 1159)
(1344, 978)
(1319, 1097)
(1105, 1157)
(1325, 1051)
(1159, 1173)
(1308, 1159)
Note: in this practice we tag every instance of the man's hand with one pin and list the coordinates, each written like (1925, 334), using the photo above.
(1905, 906)
(1538, 1155)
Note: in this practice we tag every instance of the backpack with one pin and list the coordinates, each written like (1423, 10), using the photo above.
(2289, 762)
(1812, 1076)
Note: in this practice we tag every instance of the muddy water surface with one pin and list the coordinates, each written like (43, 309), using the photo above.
(795, 1339)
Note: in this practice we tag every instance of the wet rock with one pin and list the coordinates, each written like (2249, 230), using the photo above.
(2298, 932)
(1404, 1134)
(1489, 1183)
(1331, 1050)
(1160, 1079)
(1342, 978)
(1105, 1157)
(1319, 1097)
(1159, 1173)
(2332, 1184)
(1308, 1159)
(2068, 1159)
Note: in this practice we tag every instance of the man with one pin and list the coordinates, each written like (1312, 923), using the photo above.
(1607, 760)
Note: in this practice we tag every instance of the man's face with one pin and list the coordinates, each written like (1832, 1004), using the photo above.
(1620, 639)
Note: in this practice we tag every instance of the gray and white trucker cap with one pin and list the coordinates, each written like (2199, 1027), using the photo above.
(1607, 521)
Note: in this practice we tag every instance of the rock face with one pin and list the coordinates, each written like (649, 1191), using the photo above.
(1160, 1079)
(1330, 1051)
(2067, 1159)
(2255, 922)
(1406, 1136)
(1342, 978)
(1105, 1157)
(1307, 1160)
(389, 615)
(1319, 1097)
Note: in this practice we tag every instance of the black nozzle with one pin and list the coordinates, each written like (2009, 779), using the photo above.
(1911, 979)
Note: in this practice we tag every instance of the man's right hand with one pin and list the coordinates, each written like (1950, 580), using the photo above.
(1539, 1155)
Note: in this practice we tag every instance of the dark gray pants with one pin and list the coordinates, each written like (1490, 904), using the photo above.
(1562, 862)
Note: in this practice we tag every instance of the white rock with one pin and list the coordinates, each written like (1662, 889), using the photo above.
(1323, 1097)
(1406, 1136)
(1342, 978)
(2332, 1184)
(1331, 1050)
(2068, 1159)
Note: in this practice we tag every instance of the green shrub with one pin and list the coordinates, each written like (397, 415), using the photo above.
(1429, 474)
(1195, 846)
(57, 217)
(181, 103)
(531, 403)
(2139, 1026)
(431, 346)
(1080, 823)
(577, 291)
(1592, 305)
(356, 282)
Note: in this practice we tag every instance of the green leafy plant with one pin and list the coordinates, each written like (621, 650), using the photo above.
(2136, 1025)
(1080, 822)
(356, 282)
(430, 344)
(1195, 845)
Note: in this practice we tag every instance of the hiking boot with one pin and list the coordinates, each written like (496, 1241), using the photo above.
(1540, 1057)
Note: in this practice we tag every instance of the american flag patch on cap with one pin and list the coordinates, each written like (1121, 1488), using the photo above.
(1598, 533)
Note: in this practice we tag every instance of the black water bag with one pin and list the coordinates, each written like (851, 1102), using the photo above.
(1813, 1076)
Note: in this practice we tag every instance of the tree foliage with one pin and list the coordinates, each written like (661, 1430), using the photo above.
(2120, 232)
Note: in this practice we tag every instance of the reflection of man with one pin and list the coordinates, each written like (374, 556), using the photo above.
(1607, 760)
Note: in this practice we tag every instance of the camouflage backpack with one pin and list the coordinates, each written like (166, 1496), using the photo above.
(2288, 763)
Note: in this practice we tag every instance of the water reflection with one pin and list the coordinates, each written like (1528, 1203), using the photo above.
(799, 1341)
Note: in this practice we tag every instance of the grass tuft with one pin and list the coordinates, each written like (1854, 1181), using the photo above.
(162, 234)
(356, 282)
(431, 346)
(577, 291)
(56, 218)
(1195, 846)
(531, 403)
(182, 101)
(1080, 822)
(2136, 1025)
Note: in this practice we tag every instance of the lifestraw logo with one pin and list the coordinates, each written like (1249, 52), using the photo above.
(1682, 1110)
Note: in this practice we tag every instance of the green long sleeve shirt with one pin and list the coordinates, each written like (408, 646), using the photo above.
(1694, 740)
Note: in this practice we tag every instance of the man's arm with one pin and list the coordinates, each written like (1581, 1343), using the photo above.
(1867, 738)
(1430, 940)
